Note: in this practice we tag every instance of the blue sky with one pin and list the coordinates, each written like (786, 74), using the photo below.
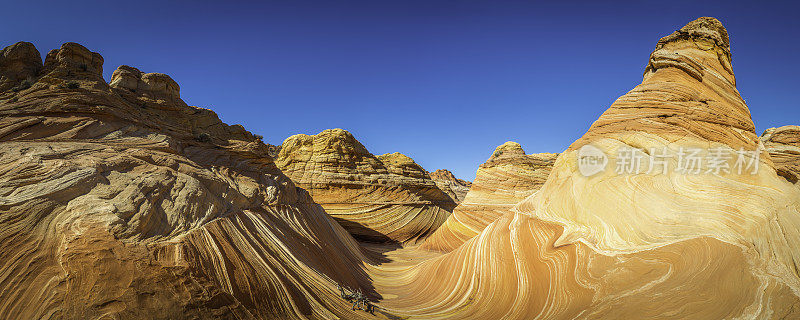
(441, 81)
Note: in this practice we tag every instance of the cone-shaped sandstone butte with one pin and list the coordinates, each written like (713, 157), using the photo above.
(383, 198)
(508, 177)
(636, 246)
(120, 201)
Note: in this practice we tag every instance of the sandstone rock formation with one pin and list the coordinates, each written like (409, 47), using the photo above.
(660, 244)
(383, 198)
(454, 187)
(508, 177)
(73, 61)
(127, 203)
(783, 145)
(152, 85)
(273, 150)
(120, 203)
(19, 63)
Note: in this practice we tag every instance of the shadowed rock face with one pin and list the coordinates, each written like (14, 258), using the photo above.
(73, 60)
(508, 177)
(19, 62)
(783, 145)
(648, 245)
(129, 204)
(454, 187)
(383, 198)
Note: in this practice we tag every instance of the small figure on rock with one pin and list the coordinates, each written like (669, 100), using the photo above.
(359, 300)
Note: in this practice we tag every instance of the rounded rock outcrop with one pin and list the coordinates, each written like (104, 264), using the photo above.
(388, 198)
(74, 61)
(19, 63)
(152, 85)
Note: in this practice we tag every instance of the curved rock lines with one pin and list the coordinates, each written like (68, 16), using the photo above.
(648, 245)
(118, 203)
(383, 198)
(508, 177)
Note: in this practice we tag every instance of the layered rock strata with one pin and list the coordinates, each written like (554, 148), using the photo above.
(783, 146)
(508, 177)
(379, 199)
(454, 187)
(120, 201)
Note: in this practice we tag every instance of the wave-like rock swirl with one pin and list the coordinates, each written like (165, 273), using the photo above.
(647, 245)
(119, 201)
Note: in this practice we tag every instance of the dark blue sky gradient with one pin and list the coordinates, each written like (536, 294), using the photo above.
(441, 81)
